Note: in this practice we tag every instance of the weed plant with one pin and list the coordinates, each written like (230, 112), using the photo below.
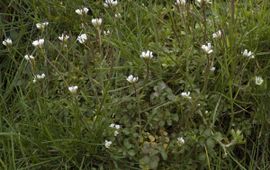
(134, 84)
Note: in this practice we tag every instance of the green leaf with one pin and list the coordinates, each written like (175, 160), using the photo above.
(131, 153)
(153, 164)
(163, 153)
(210, 143)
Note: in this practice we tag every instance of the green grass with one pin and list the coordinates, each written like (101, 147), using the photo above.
(225, 124)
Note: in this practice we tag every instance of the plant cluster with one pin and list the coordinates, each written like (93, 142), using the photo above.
(134, 85)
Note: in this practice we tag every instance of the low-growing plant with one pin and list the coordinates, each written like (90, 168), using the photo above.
(134, 84)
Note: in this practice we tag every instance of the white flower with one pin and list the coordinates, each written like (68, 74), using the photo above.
(217, 34)
(117, 15)
(85, 10)
(82, 11)
(258, 80)
(7, 42)
(38, 43)
(180, 2)
(82, 38)
(96, 22)
(186, 95)
(79, 11)
(132, 79)
(108, 3)
(29, 57)
(147, 54)
(213, 69)
(248, 54)
(207, 48)
(107, 144)
(73, 89)
(63, 37)
(42, 25)
(39, 77)
(107, 32)
(180, 140)
(112, 125)
(117, 127)
(206, 1)
(116, 133)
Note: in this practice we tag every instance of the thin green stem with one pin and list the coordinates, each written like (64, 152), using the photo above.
(203, 5)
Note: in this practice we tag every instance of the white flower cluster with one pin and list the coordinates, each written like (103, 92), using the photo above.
(147, 54)
(205, 1)
(82, 11)
(29, 57)
(108, 32)
(212, 69)
(73, 89)
(108, 144)
(132, 79)
(82, 38)
(38, 43)
(116, 127)
(207, 48)
(117, 15)
(180, 2)
(217, 34)
(7, 42)
(186, 95)
(258, 80)
(42, 25)
(96, 22)
(180, 141)
(110, 3)
(63, 37)
(248, 54)
(39, 77)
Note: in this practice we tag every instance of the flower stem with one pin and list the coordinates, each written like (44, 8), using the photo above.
(206, 73)
(147, 70)
(138, 106)
(99, 41)
(135, 90)
(203, 4)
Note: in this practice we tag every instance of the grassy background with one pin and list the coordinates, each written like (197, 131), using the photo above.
(44, 126)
